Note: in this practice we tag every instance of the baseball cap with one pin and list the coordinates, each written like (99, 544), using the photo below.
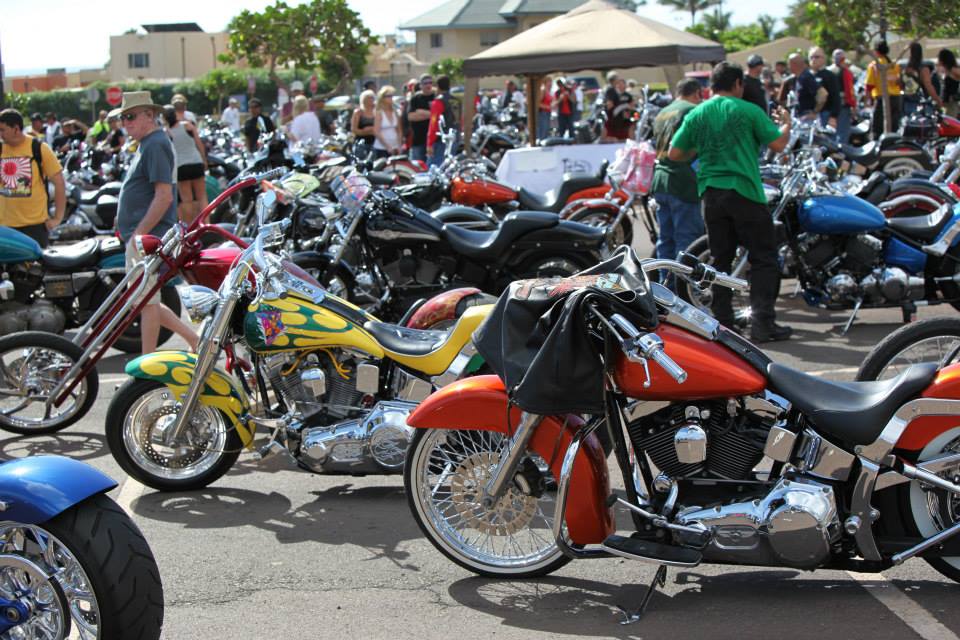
(296, 85)
(754, 60)
(426, 77)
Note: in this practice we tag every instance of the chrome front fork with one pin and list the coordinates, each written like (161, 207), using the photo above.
(211, 344)
(510, 462)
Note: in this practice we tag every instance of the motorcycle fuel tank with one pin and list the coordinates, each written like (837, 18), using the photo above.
(17, 247)
(394, 228)
(474, 193)
(839, 214)
(713, 371)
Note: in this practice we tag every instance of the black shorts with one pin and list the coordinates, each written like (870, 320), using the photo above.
(36, 231)
(190, 172)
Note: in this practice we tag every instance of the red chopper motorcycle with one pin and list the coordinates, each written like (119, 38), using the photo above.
(726, 456)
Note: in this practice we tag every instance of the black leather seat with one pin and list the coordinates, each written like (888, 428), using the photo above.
(868, 154)
(554, 200)
(924, 228)
(489, 246)
(854, 412)
(410, 342)
(72, 256)
(89, 197)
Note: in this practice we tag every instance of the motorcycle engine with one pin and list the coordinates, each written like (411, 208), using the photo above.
(315, 383)
(21, 309)
(848, 267)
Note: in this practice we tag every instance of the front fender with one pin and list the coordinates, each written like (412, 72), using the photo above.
(38, 488)
(221, 391)
(480, 403)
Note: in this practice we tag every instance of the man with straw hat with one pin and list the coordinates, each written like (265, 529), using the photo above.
(147, 205)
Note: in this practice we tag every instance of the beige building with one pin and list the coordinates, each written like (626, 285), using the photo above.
(393, 62)
(461, 28)
(165, 52)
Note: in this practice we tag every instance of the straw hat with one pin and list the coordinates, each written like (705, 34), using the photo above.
(137, 99)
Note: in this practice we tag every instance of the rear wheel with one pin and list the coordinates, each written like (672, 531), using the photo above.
(546, 266)
(924, 341)
(603, 218)
(443, 478)
(903, 167)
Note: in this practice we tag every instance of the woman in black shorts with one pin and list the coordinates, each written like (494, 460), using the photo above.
(191, 165)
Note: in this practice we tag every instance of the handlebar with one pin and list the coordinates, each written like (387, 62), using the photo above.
(702, 274)
(648, 346)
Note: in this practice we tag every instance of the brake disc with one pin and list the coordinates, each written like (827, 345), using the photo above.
(512, 512)
(182, 456)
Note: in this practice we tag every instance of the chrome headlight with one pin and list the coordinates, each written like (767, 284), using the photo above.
(198, 301)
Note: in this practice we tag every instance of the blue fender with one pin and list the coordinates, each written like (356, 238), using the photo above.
(38, 488)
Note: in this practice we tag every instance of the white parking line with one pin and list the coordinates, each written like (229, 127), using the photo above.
(113, 379)
(903, 606)
(129, 491)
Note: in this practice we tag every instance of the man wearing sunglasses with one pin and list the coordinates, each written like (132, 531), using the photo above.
(147, 206)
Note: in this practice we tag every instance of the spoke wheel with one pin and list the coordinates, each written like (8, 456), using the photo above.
(31, 365)
(444, 478)
(927, 341)
(934, 510)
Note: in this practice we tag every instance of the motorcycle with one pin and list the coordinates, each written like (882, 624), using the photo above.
(73, 564)
(515, 484)
(398, 253)
(59, 288)
(847, 255)
(343, 381)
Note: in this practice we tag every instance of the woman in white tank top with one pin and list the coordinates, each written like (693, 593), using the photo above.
(387, 129)
(191, 165)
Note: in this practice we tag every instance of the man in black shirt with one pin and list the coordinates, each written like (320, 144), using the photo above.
(419, 117)
(805, 86)
(256, 124)
(829, 81)
(753, 90)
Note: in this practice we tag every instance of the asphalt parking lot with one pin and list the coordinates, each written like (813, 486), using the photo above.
(270, 551)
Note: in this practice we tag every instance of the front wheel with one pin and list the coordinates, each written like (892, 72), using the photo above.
(86, 574)
(32, 363)
(444, 477)
(136, 422)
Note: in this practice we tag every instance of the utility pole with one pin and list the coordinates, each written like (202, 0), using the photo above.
(3, 97)
(183, 57)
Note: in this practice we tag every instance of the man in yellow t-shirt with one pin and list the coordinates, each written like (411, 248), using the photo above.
(875, 90)
(23, 194)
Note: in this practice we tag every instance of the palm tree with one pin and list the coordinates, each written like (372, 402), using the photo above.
(716, 22)
(693, 6)
(767, 24)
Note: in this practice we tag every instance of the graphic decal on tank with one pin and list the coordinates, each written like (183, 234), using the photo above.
(271, 325)
(540, 288)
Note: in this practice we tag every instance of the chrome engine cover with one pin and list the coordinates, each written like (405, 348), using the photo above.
(375, 443)
(842, 287)
(794, 525)
(892, 284)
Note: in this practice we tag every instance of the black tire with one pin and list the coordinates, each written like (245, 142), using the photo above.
(549, 265)
(409, 487)
(602, 218)
(338, 280)
(895, 343)
(88, 386)
(129, 341)
(122, 403)
(699, 249)
(119, 564)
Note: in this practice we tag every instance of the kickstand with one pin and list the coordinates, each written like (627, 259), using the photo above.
(659, 579)
(853, 316)
(909, 311)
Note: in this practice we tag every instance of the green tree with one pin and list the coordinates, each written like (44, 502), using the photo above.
(452, 67)
(324, 34)
(692, 6)
(716, 22)
(767, 24)
(743, 36)
(219, 83)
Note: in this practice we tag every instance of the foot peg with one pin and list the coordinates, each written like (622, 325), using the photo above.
(659, 579)
(655, 552)
(272, 448)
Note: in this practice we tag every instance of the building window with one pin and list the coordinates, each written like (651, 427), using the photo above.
(436, 40)
(489, 38)
(138, 60)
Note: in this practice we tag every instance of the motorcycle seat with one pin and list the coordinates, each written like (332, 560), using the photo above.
(854, 412)
(555, 200)
(424, 350)
(490, 246)
(868, 154)
(72, 256)
(925, 228)
(89, 197)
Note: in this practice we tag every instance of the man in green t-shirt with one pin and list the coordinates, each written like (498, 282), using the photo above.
(674, 183)
(724, 133)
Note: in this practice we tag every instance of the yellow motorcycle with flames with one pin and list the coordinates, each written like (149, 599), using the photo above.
(332, 385)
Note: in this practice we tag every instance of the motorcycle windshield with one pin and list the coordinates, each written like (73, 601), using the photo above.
(351, 191)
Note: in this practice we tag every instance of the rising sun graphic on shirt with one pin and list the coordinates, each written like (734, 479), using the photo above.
(16, 176)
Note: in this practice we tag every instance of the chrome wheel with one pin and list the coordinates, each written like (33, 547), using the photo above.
(27, 377)
(446, 476)
(199, 448)
(933, 349)
(934, 509)
(38, 570)
(902, 167)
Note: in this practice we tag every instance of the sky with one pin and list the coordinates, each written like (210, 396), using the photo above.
(40, 34)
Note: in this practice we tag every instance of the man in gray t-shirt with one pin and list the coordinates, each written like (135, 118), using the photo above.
(147, 206)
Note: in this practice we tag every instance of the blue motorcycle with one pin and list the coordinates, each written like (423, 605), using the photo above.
(846, 255)
(72, 563)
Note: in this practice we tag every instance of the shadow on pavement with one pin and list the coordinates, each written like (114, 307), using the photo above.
(72, 444)
(741, 604)
(374, 518)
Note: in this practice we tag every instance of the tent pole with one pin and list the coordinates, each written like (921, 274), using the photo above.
(533, 102)
(470, 90)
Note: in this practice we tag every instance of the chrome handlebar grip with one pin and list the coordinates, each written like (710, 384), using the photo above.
(649, 346)
(666, 363)
(709, 276)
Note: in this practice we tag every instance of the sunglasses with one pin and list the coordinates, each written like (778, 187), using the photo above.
(130, 117)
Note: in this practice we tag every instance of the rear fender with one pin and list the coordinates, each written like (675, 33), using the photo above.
(920, 431)
(442, 307)
(175, 369)
(480, 403)
(38, 488)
